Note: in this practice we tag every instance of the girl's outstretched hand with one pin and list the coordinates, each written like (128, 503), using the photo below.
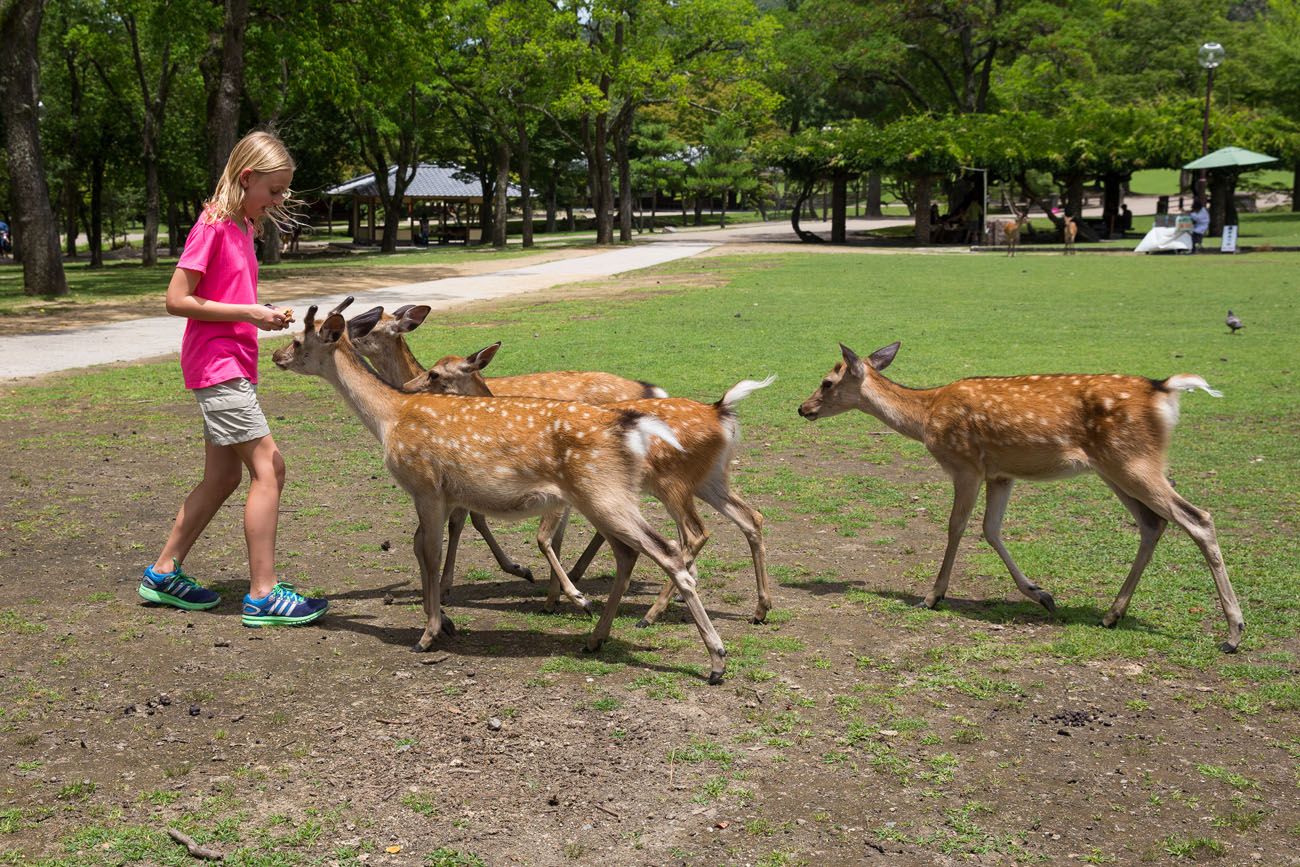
(268, 317)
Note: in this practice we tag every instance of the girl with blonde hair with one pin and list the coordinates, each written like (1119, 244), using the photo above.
(215, 288)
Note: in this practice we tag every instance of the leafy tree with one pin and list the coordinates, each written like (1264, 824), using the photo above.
(725, 167)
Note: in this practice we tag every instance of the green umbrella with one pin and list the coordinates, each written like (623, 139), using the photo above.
(1226, 158)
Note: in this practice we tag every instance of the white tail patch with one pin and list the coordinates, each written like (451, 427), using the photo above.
(658, 392)
(646, 428)
(1190, 382)
(744, 389)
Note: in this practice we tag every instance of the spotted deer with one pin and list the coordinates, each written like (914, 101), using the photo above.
(386, 348)
(507, 457)
(708, 433)
(995, 430)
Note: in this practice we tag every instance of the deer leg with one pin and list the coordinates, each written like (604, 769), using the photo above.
(1154, 490)
(693, 536)
(997, 495)
(425, 583)
(1150, 528)
(455, 525)
(641, 536)
(432, 515)
(624, 559)
(750, 522)
(510, 567)
(965, 488)
(546, 529)
(580, 568)
(557, 538)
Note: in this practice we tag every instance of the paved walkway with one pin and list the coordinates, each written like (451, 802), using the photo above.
(25, 356)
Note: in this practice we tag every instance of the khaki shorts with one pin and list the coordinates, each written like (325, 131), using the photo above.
(231, 413)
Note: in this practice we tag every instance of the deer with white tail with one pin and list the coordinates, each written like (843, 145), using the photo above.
(708, 435)
(506, 457)
(994, 430)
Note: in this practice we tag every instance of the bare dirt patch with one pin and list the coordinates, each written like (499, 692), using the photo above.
(850, 729)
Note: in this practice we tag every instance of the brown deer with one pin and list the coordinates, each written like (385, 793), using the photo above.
(1011, 230)
(1069, 230)
(507, 457)
(708, 434)
(995, 430)
(386, 348)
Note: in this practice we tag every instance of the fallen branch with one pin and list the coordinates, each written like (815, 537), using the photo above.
(604, 810)
(193, 848)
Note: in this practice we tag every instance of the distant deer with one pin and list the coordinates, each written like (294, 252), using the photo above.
(1011, 230)
(708, 434)
(386, 348)
(995, 430)
(1069, 230)
(507, 457)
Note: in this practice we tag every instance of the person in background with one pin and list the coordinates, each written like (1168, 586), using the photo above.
(974, 223)
(1200, 223)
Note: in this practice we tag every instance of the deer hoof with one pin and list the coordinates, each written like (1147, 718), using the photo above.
(448, 628)
(715, 678)
(1109, 621)
(926, 603)
(588, 648)
(643, 623)
(758, 619)
(418, 648)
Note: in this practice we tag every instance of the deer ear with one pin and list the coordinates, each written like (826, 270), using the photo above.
(332, 329)
(412, 317)
(852, 360)
(343, 305)
(483, 357)
(881, 358)
(309, 322)
(363, 323)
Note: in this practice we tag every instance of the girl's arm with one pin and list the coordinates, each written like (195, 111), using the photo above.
(181, 301)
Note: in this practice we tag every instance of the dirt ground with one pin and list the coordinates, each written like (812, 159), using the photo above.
(851, 728)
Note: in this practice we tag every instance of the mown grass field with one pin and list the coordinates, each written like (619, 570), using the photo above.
(852, 726)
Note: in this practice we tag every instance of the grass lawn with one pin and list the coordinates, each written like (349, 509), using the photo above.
(1164, 182)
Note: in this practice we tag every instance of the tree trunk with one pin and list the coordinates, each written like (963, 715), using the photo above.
(1113, 189)
(71, 195)
(552, 224)
(499, 207)
(95, 227)
(840, 209)
(223, 74)
(152, 195)
(525, 180)
(624, 180)
(1220, 194)
(1295, 187)
(173, 228)
(270, 244)
(873, 195)
(603, 191)
(923, 209)
(34, 226)
(807, 237)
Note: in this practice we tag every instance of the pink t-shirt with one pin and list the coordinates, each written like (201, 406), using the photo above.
(214, 352)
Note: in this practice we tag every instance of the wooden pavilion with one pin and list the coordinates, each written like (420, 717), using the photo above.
(442, 204)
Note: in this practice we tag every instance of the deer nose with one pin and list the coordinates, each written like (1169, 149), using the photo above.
(807, 413)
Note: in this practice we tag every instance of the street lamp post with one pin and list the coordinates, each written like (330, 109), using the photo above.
(1210, 55)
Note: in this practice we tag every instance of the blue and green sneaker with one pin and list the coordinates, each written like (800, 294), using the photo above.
(177, 589)
(283, 606)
